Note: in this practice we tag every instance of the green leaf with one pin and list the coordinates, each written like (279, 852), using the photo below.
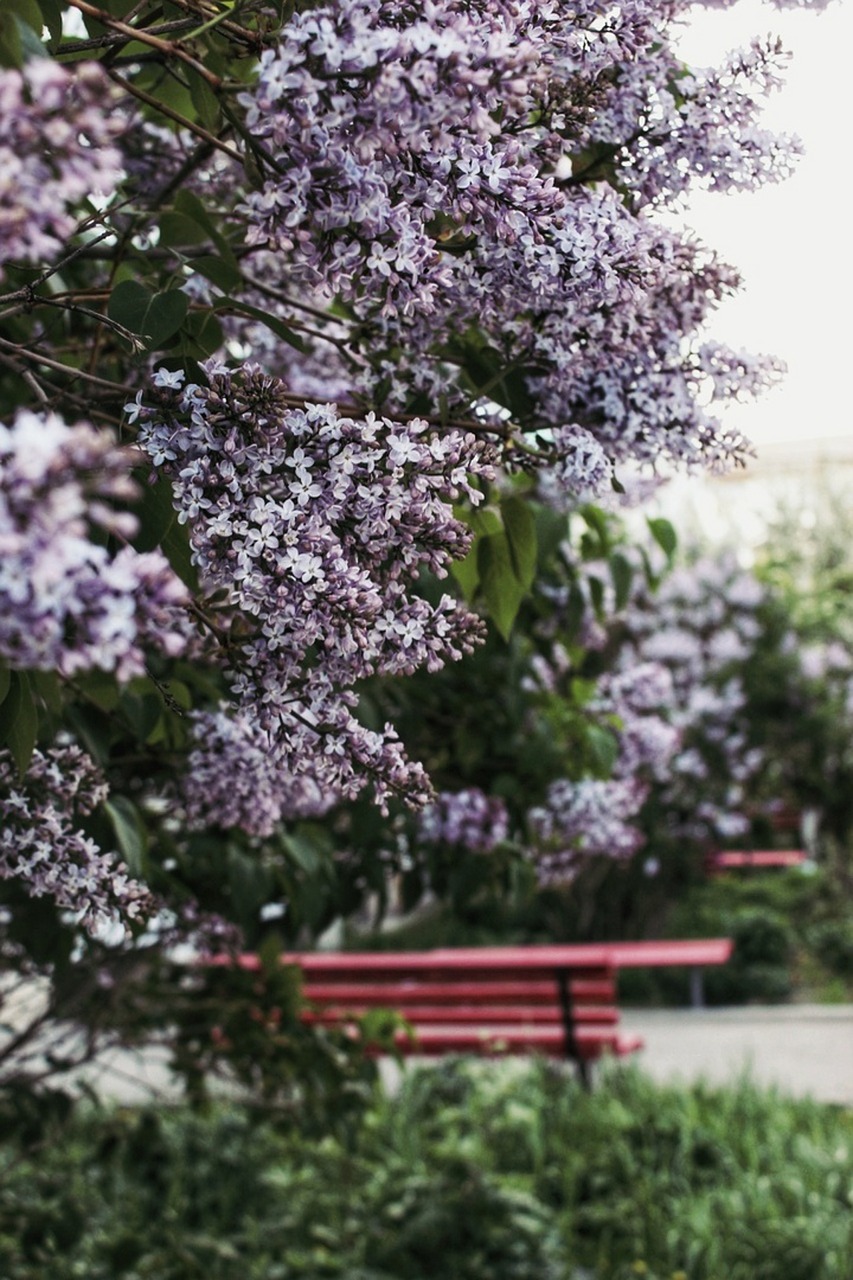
(466, 574)
(201, 335)
(100, 687)
(175, 545)
(596, 591)
(11, 40)
(154, 316)
(603, 747)
(622, 573)
(179, 229)
(155, 514)
(142, 713)
(501, 589)
(5, 681)
(520, 528)
(188, 203)
(129, 832)
(303, 851)
(223, 273)
(664, 535)
(51, 11)
(204, 100)
(19, 721)
(47, 688)
(233, 307)
(249, 882)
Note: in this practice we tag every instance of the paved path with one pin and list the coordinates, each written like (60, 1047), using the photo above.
(803, 1049)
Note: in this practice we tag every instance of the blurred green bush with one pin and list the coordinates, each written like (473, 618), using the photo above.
(473, 1171)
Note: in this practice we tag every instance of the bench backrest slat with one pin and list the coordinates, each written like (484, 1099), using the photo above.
(537, 991)
(470, 1015)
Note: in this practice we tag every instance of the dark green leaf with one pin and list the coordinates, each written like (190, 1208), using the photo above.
(46, 687)
(5, 681)
(175, 546)
(603, 748)
(575, 610)
(201, 335)
(520, 528)
(188, 203)
(142, 713)
(100, 688)
(501, 590)
(129, 832)
(220, 271)
(179, 229)
(19, 721)
(622, 573)
(154, 316)
(664, 535)
(204, 100)
(11, 40)
(51, 11)
(466, 574)
(232, 307)
(249, 882)
(155, 513)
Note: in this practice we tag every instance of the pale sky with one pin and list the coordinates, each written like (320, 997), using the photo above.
(791, 241)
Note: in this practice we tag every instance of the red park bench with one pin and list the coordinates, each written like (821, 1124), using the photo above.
(554, 1000)
(737, 859)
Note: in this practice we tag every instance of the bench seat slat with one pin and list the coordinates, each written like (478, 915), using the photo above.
(591, 1043)
(393, 993)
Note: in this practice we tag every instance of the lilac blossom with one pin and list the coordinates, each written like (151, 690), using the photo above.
(468, 818)
(702, 626)
(66, 601)
(428, 174)
(314, 526)
(585, 819)
(43, 847)
(57, 148)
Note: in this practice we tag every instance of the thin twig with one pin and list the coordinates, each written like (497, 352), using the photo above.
(190, 125)
(167, 47)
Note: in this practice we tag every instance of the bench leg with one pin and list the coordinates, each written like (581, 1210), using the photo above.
(697, 988)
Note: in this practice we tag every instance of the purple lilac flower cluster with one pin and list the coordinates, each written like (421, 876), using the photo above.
(313, 526)
(594, 818)
(582, 820)
(67, 602)
(56, 149)
(431, 173)
(469, 818)
(702, 625)
(639, 698)
(42, 847)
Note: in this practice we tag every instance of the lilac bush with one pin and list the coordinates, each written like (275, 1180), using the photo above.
(304, 318)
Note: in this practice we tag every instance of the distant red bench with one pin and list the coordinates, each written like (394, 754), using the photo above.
(554, 1000)
(735, 859)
